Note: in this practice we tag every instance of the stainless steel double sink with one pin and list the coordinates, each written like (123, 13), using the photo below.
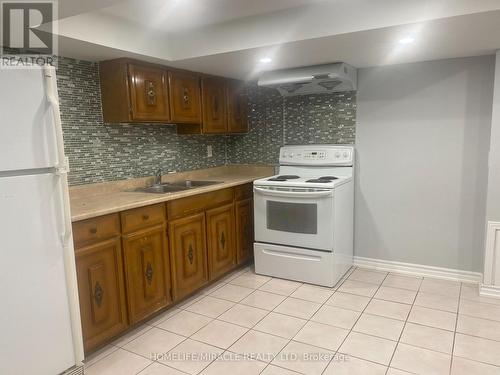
(176, 186)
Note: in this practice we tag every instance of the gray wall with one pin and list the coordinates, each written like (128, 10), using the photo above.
(422, 139)
(493, 206)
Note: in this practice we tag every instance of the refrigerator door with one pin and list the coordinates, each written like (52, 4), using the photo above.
(35, 316)
(27, 138)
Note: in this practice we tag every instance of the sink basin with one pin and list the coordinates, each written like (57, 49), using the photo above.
(176, 186)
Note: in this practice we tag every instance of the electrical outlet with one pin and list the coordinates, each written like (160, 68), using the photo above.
(209, 151)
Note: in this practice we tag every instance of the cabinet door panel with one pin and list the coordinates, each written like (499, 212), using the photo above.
(189, 254)
(101, 291)
(220, 238)
(237, 108)
(214, 105)
(146, 269)
(148, 93)
(244, 230)
(185, 97)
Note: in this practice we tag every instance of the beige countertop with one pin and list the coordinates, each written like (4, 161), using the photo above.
(88, 201)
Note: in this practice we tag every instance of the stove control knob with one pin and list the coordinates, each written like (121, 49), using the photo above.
(346, 154)
(337, 154)
(290, 155)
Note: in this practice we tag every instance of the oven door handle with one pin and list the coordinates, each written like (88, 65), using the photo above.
(293, 194)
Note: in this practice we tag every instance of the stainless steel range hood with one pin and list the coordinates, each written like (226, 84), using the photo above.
(318, 79)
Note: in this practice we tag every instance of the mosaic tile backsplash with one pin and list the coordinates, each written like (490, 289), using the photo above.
(101, 152)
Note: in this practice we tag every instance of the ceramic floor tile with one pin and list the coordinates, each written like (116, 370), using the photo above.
(184, 304)
(388, 309)
(163, 316)
(232, 292)
(402, 282)
(462, 366)
(321, 335)
(220, 334)
(488, 329)
(153, 342)
(119, 362)
(99, 354)
(275, 370)
(211, 307)
(421, 361)
(280, 286)
(437, 301)
(336, 316)
(367, 347)
(191, 356)
(471, 292)
(312, 293)
(354, 366)
(396, 295)
(358, 287)
(212, 288)
(230, 363)
(131, 335)
(480, 310)
(259, 345)
(298, 308)
(185, 323)
(394, 371)
(280, 325)
(263, 300)
(348, 301)
(428, 338)
(303, 358)
(368, 276)
(379, 326)
(246, 316)
(433, 318)
(159, 369)
(477, 349)
(250, 280)
(441, 287)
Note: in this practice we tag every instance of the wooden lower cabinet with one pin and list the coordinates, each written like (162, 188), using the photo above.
(188, 254)
(220, 240)
(100, 286)
(244, 230)
(147, 272)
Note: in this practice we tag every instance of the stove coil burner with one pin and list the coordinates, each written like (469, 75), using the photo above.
(329, 178)
(284, 177)
(319, 180)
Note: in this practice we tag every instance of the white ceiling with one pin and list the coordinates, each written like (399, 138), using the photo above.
(228, 37)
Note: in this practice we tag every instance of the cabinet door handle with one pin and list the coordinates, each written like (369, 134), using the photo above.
(93, 230)
(190, 254)
(145, 217)
(185, 96)
(150, 92)
(223, 240)
(98, 294)
(149, 273)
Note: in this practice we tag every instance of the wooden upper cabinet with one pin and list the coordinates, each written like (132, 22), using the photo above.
(189, 254)
(147, 273)
(185, 97)
(237, 107)
(220, 240)
(213, 92)
(148, 93)
(244, 230)
(103, 310)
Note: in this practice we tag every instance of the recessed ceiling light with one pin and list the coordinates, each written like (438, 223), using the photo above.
(265, 60)
(406, 40)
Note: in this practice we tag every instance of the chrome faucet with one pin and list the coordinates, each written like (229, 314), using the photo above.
(158, 177)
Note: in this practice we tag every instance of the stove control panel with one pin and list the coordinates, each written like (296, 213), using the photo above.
(317, 155)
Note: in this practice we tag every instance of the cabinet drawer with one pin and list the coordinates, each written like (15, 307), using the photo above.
(201, 202)
(142, 217)
(96, 229)
(243, 191)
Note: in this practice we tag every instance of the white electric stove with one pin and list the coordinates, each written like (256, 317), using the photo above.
(304, 215)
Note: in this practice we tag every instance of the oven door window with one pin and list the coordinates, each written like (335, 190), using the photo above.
(292, 217)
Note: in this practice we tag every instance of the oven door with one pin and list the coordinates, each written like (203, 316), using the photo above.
(300, 217)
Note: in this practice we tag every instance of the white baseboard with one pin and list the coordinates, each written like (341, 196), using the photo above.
(419, 270)
(492, 255)
(489, 291)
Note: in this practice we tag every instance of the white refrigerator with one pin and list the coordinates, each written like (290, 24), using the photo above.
(40, 329)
